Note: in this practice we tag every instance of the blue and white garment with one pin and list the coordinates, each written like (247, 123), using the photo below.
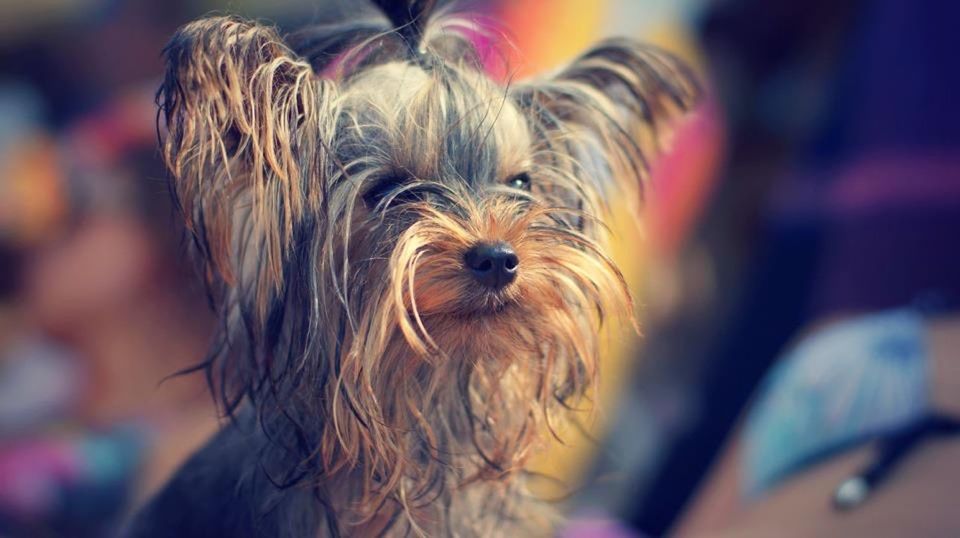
(837, 387)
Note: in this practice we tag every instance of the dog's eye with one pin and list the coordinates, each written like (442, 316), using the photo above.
(520, 181)
(386, 189)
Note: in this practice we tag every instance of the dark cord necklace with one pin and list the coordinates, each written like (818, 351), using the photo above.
(892, 449)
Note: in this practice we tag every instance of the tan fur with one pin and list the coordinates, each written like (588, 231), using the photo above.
(418, 393)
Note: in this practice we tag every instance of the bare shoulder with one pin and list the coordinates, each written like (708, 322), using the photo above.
(918, 500)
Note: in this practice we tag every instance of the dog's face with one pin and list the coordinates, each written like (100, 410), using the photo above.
(438, 165)
(407, 256)
(456, 216)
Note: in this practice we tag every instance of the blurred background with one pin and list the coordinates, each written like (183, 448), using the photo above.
(796, 270)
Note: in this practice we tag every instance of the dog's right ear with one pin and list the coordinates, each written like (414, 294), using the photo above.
(245, 123)
(611, 109)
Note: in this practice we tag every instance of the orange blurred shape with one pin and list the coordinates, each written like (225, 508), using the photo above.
(547, 33)
(32, 201)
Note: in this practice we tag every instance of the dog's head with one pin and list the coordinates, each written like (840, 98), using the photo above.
(406, 255)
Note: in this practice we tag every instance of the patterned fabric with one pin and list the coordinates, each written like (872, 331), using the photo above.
(70, 482)
(842, 385)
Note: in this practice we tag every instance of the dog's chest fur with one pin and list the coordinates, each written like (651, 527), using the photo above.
(226, 490)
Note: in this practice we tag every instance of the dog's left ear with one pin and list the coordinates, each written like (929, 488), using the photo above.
(611, 109)
(245, 121)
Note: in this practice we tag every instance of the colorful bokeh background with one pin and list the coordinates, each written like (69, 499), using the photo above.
(817, 180)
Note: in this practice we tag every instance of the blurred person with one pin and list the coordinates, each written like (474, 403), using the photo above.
(29, 207)
(852, 431)
(108, 287)
(833, 286)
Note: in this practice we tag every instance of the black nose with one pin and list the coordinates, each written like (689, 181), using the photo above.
(493, 264)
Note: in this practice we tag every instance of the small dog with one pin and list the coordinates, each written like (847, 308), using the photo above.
(407, 261)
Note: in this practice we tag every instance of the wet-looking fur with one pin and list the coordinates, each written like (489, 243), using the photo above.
(332, 183)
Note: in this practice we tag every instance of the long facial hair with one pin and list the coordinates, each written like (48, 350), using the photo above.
(331, 194)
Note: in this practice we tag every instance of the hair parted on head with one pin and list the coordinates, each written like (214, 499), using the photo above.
(331, 186)
(408, 18)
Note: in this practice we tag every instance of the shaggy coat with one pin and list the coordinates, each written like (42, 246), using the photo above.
(332, 183)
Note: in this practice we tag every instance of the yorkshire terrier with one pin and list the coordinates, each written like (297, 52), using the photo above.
(407, 259)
